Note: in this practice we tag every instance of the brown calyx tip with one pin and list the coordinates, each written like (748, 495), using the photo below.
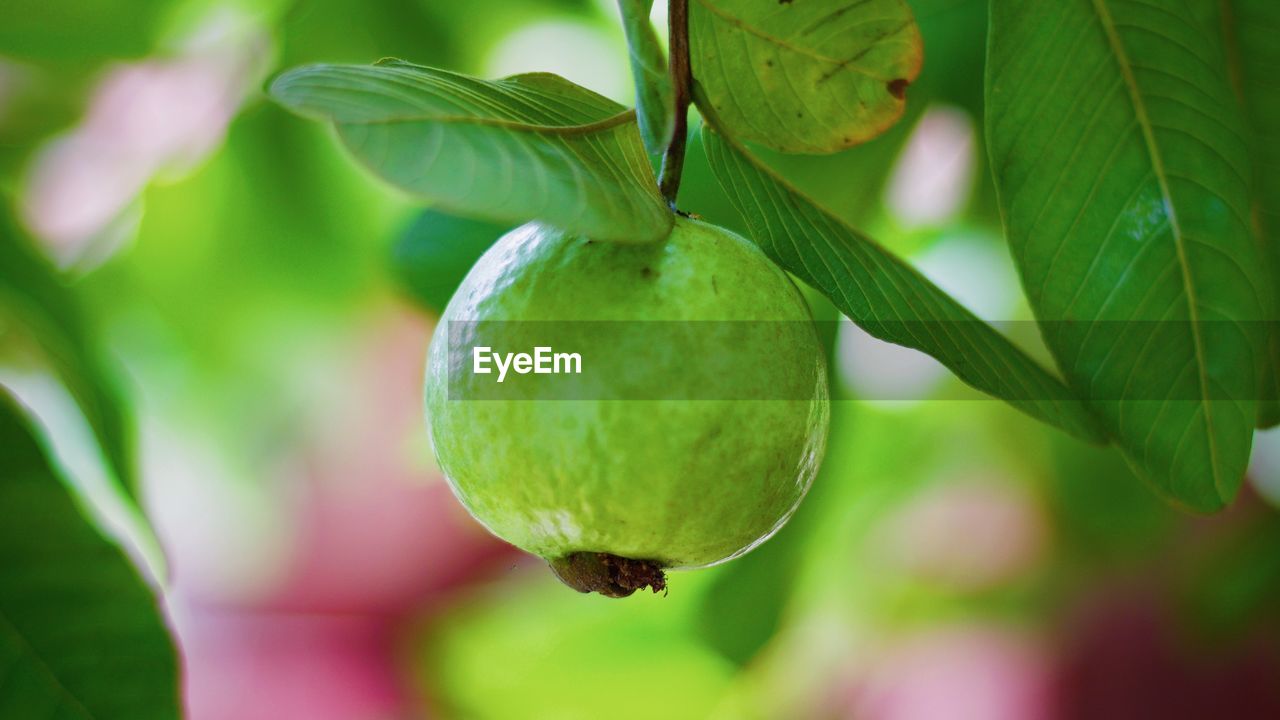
(607, 574)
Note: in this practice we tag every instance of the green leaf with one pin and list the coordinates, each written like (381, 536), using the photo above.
(80, 634)
(437, 251)
(654, 94)
(34, 297)
(885, 296)
(1124, 183)
(529, 147)
(812, 77)
(744, 607)
(1252, 27)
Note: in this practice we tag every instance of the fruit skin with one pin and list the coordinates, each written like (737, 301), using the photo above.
(684, 483)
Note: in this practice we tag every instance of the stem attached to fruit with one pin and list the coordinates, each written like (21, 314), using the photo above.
(681, 78)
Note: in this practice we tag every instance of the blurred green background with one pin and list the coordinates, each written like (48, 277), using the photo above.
(263, 308)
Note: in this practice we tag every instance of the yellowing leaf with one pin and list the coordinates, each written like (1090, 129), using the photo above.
(811, 76)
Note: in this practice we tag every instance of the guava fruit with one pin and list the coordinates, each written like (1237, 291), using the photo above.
(679, 454)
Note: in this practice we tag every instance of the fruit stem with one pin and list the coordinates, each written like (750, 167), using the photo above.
(681, 78)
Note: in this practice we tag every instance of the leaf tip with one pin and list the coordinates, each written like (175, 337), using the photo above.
(312, 91)
(282, 88)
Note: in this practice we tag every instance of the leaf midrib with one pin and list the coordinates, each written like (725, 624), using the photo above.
(608, 123)
(1157, 161)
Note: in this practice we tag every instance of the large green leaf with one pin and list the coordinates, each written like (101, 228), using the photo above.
(813, 77)
(1252, 28)
(1124, 184)
(527, 147)
(37, 301)
(654, 93)
(885, 296)
(80, 634)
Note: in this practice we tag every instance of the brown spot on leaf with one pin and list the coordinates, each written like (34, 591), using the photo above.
(898, 88)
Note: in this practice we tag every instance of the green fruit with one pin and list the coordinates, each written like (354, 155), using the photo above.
(611, 491)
